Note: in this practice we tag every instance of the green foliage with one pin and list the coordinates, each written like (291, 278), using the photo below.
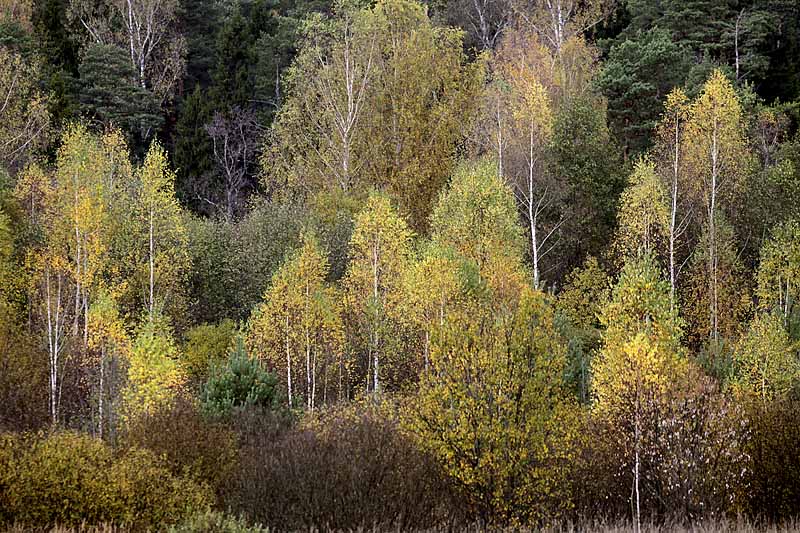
(233, 262)
(733, 293)
(641, 342)
(637, 76)
(493, 409)
(205, 347)
(643, 215)
(240, 382)
(192, 153)
(779, 275)
(110, 95)
(586, 292)
(766, 362)
(585, 155)
(71, 479)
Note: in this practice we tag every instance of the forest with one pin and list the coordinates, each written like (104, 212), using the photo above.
(399, 265)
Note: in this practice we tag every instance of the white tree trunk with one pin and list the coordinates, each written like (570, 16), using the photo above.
(152, 266)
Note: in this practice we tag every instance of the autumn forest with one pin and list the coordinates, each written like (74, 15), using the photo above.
(399, 265)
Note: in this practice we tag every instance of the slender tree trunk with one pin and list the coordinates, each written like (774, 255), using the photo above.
(78, 265)
(533, 214)
(100, 405)
(674, 212)
(52, 346)
(499, 140)
(309, 398)
(309, 401)
(636, 476)
(375, 294)
(152, 266)
(313, 380)
(712, 236)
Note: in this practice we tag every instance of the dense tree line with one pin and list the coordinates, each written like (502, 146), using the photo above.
(526, 260)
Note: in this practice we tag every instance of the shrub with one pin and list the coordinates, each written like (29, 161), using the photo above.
(343, 469)
(206, 346)
(692, 456)
(241, 382)
(70, 478)
(188, 443)
(773, 481)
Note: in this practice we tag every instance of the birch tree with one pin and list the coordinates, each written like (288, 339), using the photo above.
(380, 251)
(528, 85)
(671, 166)
(378, 97)
(643, 216)
(318, 130)
(155, 376)
(298, 329)
(779, 273)
(477, 217)
(80, 201)
(557, 20)
(148, 33)
(493, 408)
(765, 360)
(639, 358)
(431, 286)
(716, 154)
(70, 208)
(162, 255)
(109, 347)
(24, 119)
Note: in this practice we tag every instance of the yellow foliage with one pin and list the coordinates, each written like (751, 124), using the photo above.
(298, 330)
(492, 407)
(643, 215)
(70, 478)
(641, 348)
(380, 252)
(154, 375)
(765, 360)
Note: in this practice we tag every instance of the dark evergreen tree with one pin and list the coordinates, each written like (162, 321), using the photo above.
(636, 78)
(191, 155)
(110, 96)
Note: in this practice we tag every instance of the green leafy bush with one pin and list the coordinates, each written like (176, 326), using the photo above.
(71, 478)
(241, 382)
(206, 345)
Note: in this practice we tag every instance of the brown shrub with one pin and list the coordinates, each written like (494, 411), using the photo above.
(773, 481)
(345, 469)
(188, 443)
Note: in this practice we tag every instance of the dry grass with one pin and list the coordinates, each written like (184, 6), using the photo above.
(727, 526)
